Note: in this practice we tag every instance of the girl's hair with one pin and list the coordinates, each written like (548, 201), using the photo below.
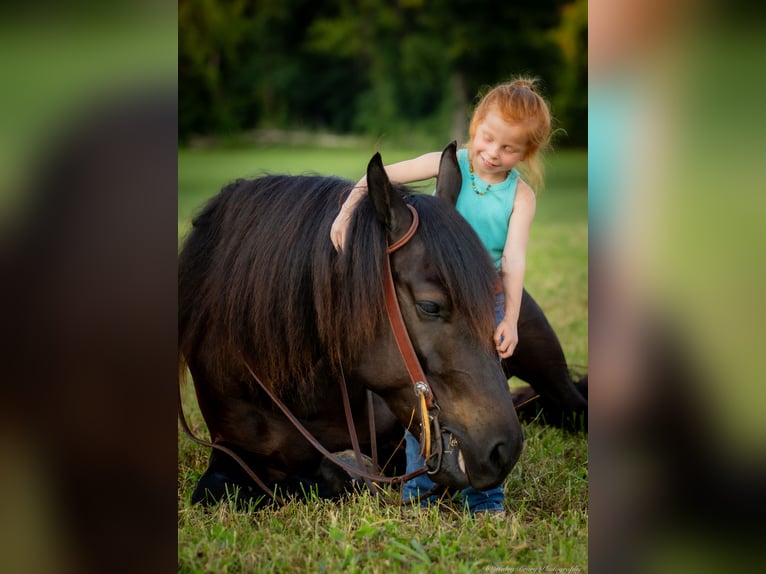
(519, 102)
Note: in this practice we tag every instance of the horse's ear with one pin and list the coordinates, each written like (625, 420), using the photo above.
(449, 180)
(390, 208)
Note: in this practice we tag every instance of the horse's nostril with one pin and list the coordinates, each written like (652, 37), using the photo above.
(504, 454)
(499, 454)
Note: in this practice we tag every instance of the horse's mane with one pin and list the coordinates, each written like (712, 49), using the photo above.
(259, 278)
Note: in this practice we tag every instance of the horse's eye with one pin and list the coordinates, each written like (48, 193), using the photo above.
(429, 308)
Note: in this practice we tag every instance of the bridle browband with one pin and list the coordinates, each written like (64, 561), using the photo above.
(429, 410)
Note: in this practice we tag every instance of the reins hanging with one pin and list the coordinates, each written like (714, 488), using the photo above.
(224, 449)
(318, 446)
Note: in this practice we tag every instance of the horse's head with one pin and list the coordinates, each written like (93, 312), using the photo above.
(444, 285)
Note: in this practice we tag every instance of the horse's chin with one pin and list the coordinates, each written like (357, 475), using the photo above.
(451, 472)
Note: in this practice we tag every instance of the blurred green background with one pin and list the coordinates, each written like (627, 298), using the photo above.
(407, 71)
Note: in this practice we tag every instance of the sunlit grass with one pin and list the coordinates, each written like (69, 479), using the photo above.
(546, 525)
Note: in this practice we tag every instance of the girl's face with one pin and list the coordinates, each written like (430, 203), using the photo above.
(497, 146)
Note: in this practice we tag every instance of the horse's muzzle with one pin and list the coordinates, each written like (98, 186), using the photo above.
(458, 466)
(447, 465)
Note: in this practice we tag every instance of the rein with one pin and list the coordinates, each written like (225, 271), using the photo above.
(369, 478)
(217, 446)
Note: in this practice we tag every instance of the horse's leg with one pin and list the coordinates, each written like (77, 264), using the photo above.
(225, 479)
(539, 360)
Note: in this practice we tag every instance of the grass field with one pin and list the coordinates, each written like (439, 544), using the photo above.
(546, 493)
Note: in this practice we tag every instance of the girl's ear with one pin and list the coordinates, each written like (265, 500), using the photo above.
(527, 153)
(389, 206)
(449, 180)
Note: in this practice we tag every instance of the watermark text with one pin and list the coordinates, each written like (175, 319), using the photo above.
(535, 569)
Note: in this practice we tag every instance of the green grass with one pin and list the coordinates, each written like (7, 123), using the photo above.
(202, 172)
(546, 526)
(547, 491)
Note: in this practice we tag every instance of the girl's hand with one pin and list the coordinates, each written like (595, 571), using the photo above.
(339, 229)
(340, 224)
(506, 338)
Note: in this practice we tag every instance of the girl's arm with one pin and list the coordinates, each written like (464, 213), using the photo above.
(423, 167)
(513, 266)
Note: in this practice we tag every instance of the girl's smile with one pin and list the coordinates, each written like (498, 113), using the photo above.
(487, 163)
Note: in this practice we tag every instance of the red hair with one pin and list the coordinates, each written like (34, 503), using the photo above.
(518, 102)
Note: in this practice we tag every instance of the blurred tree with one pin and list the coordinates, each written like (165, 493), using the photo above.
(570, 102)
(244, 65)
(210, 34)
(486, 42)
(371, 66)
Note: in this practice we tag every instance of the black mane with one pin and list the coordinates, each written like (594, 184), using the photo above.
(259, 254)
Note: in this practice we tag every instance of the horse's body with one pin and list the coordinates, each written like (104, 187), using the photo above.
(261, 287)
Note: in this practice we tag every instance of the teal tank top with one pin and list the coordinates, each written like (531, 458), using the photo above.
(488, 214)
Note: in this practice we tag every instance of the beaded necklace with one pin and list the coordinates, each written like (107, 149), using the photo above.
(473, 180)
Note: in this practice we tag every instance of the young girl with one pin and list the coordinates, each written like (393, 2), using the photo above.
(510, 127)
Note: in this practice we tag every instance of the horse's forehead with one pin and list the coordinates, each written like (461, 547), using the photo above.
(414, 262)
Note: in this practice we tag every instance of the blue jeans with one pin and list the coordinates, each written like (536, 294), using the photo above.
(475, 500)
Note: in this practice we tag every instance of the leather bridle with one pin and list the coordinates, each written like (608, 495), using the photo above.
(429, 410)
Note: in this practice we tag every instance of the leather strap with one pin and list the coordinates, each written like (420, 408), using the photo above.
(406, 350)
(403, 342)
(231, 453)
(373, 433)
(408, 234)
(352, 432)
(318, 446)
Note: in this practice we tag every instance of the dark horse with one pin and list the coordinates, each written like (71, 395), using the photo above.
(261, 287)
